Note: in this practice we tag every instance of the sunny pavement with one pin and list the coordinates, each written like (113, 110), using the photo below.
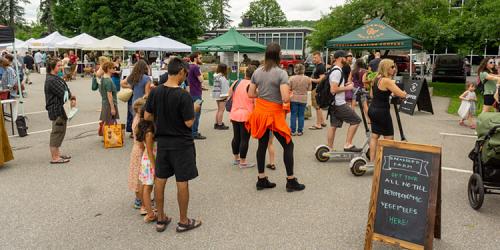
(86, 204)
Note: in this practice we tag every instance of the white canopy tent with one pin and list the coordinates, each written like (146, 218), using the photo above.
(7, 45)
(24, 45)
(112, 43)
(48, 42)
(160, 44)
(77, 42)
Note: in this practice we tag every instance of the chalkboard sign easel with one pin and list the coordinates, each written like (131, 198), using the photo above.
(418, 97)
(405, 204)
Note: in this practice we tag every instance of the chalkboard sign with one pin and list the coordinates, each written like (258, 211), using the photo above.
(405, 201)
(418, 95)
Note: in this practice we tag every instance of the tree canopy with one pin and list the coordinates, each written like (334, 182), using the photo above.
(432, 21)
(266, 13)
(134, 20)
(216, 16)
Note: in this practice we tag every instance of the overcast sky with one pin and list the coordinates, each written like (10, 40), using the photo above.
(294, 9)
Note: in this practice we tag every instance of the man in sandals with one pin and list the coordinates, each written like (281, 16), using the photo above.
(317, 76)
(171, 108)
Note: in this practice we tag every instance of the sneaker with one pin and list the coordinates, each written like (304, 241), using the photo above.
(246, 165)
(137, 203)
(264, 183)
(221, 127)
(353, 149)
(294, 134)
(199, 137)
(293, 185)
(236, 162)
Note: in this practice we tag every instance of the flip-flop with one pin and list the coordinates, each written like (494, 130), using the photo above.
(66, 157)
(60, 161)
(192, 224)
(271, 166)
(162, 225)
(315, 128)
(323, 125)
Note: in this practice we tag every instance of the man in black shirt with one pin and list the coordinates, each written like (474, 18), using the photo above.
(172, 110)
(29, 62)
(317, 76)
(373, 64)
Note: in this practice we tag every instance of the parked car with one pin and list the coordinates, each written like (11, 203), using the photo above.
(289, 61)
(402, 62)
(448, 68)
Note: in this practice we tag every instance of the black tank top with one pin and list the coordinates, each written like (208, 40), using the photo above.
(380, 97)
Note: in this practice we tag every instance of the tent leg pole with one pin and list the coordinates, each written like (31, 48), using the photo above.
(21, 98)
(326, 57)
(238, 69)
(411, 61)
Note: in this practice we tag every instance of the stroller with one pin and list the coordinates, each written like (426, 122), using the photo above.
(486, 160)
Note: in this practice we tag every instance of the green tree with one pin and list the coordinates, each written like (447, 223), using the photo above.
(301, 23)
(33, 30)
(12, 12)
(423, 19)
(67, 18)
(45, 15)
(266, 13)
(216, 16)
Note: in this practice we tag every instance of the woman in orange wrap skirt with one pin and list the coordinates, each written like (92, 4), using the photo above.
(269, 84)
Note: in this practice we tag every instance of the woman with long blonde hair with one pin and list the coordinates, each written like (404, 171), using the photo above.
(380, 109)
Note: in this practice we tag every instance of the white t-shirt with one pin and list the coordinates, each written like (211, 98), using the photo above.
(38, 57)
(335, 77)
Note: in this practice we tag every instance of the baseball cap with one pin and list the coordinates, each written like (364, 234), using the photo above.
(339, 53)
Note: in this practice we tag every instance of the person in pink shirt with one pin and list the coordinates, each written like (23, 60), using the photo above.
(240, 111)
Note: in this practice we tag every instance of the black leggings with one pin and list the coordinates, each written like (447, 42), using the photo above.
(240, 139)
(287, 152)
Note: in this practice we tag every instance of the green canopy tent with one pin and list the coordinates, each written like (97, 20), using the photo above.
(375, 35)
(231, 41)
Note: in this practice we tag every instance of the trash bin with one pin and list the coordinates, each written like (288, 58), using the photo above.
(211, 78)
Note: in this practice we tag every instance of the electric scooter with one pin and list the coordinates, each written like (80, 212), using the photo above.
(359, 165)
(323, 153)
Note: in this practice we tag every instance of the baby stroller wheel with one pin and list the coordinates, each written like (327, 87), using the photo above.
(320, 154)
(356, 167)
(476, 191)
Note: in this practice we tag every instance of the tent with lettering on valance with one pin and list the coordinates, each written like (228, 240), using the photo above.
(375, 35)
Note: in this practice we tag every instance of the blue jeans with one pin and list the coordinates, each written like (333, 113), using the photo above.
(196, 117)
(297, 112)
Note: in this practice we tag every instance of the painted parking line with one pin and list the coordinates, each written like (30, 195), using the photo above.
(49, 130)
(459, 135)
(37, 112)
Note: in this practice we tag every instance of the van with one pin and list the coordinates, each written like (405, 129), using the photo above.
(448, 68)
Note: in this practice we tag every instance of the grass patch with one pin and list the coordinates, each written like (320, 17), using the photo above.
(453, 91)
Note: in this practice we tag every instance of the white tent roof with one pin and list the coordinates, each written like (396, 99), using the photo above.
(17, 41)
(24, 45)
(48, 42)
(159, 43)
(77, 42)
(110, 43)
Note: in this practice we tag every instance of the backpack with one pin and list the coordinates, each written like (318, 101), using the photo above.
(324, 96)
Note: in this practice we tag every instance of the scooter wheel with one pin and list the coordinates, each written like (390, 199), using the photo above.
(355, 169)
(320, 154)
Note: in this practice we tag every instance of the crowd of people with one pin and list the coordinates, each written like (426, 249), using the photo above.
(163, 117)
